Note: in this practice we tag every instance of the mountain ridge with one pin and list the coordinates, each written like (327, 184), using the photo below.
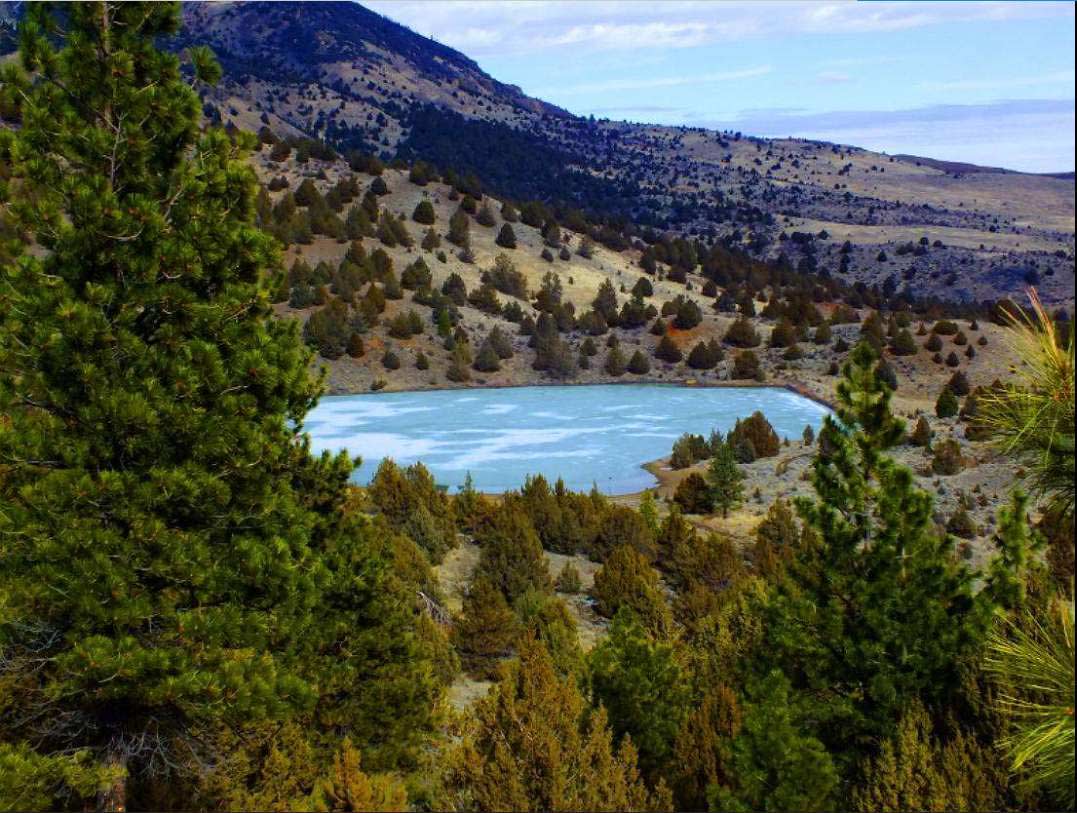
(341, 73)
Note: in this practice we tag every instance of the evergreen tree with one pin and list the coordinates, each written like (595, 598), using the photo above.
(667, 350)
(176, 559)
(486, 360)
(639, 364)
(946, 405)
(628, 580)
(640, 684)
(486, 629)
(693, 495)
(875, 576)
(533, 744)
(512, 554)
(725, 479)
(774, 765)
(506, 237)
(615, 363)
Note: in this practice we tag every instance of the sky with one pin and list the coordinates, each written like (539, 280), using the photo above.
(987, 83)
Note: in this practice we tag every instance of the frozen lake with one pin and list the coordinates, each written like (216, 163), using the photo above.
(598, 434)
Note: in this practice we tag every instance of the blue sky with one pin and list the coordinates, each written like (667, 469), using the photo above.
(990, 83)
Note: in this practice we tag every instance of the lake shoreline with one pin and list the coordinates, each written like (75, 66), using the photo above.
(654, 396)
(794, 387)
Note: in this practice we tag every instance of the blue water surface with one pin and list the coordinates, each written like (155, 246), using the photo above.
(587, 435)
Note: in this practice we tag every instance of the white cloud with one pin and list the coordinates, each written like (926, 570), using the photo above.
(833, 77)
(663, 82)
(525, 26)
(1011, 83)
(1031, 135)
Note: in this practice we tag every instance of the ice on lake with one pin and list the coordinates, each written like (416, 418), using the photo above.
(587, 435)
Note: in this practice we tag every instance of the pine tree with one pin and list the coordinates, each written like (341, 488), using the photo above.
(638, 681)
(774, 765)
(875, 575)
(176, 558)
(725, 479)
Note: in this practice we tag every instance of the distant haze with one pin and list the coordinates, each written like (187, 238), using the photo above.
(986, 83)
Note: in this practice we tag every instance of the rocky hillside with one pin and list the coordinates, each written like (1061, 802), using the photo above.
(343, 74)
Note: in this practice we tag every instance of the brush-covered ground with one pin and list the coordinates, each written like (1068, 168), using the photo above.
(981, 483)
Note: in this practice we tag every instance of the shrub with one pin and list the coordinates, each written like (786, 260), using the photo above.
(758, 430)
(742, 334)
(903, 344)
(746, 366)
(615, 363)
(568, 580)
(424, 213)
(933, 344)
(944, 327)
(639, 364)
(946, 405)
(947, 459)
(390, 360)
(693, 495)
(667, 350)
(688, 315)
(704, 356)
(627, 580)
(486, 360)
(958, 384)
(961, 524)
(921, 433)
(506, 237)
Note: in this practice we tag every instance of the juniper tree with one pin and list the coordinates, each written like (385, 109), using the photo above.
(174, 557)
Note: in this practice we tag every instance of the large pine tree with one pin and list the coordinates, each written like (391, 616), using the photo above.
(173, 556)
(876, 612)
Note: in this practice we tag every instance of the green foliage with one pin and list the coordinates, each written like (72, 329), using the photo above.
(512, 554)
(693, 495)
(742, 334)
(725, 479)
(1032, 418)
(175, 557)
(915, 769)
(774, 765)
(568, 580)
(32, 781)
(874, 576)
(1036, 659)
(627, 580)
(486, 629)
(411, 502)
(746, 366)
(757, 430)
(638, 681)
(946, 406)
(947, 459)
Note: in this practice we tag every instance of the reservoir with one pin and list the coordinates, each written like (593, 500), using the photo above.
(587, 435)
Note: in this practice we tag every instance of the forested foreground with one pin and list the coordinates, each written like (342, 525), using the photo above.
(196, 613)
